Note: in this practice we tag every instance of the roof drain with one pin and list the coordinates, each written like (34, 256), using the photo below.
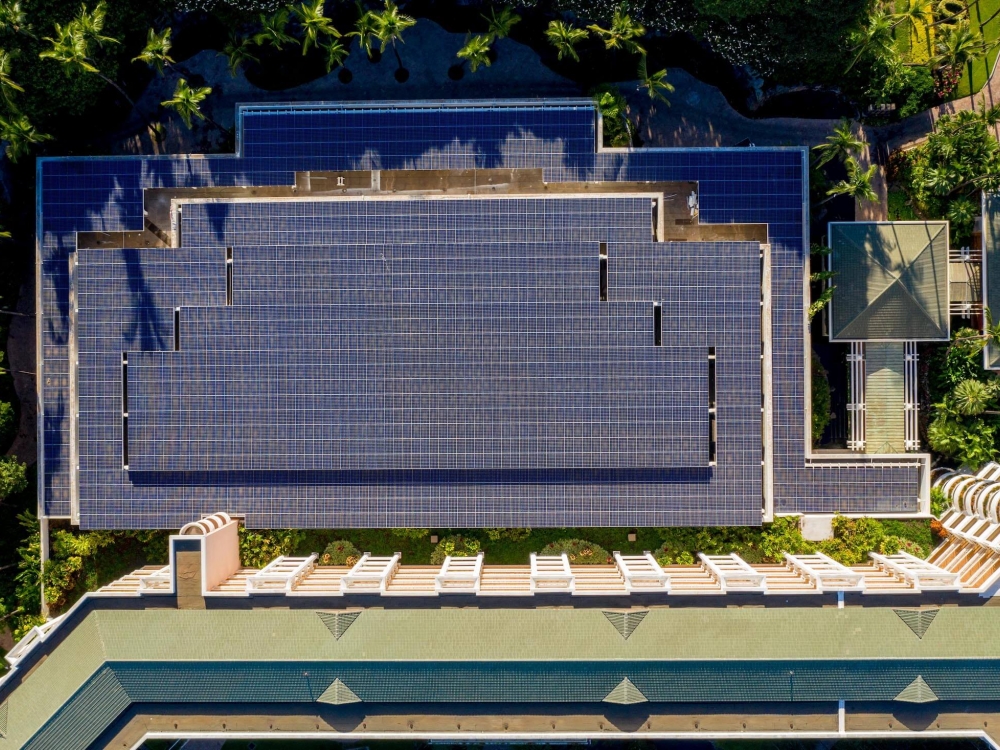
(712, 427)
(229, 277)
(125, 410)
(604, 272)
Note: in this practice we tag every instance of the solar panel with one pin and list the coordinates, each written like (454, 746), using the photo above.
(133, 310)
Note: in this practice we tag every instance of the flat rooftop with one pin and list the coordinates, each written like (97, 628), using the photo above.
(432, 314)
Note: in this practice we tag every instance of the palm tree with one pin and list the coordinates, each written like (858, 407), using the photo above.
(958, 46)
(616, 127)
(858, 184)
(366, 30)
(972, 397)
(19, 135)
(840, 144)
(622, 33)
(962, 212)
(499, 25)
(915, 15)
(7, 84)
(13, 17)
(335, 52)
(877, 36)
(156, 53)
(389, 27)
(71, 45)
(187, 101)
(237, 51)
(656, 84)
(564, 37)
(273, 29)
(314, 24)
(476, 52)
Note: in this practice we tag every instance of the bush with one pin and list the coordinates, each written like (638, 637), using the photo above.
(579, 551)
(969, 441)
(781, 536)
(665, 555)
(413, 534)
(939, 502)
(820, 400)
(508, 535)
(455, 546)
(340, 552)
(13, 477)
(8, 424)
(258, 547)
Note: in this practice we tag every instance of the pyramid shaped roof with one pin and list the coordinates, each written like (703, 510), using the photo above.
(891, 282)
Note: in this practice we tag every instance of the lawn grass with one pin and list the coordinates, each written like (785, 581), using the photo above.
(977, 73)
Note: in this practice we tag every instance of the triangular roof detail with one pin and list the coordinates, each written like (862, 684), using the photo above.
(892, 281)
(917, 691)
(338, 622)
(625, 693)
(625, 622)
(338, 694)
(917, 620)
(3, 720)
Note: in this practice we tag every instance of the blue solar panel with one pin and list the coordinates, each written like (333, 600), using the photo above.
(286, 251)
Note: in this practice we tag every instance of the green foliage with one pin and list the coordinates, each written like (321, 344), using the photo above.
(817, 305)
(858, 184)
(656, 84)
(8, 424)
(614, 116)
(156, 53)
(455, 546)
(622, 32)
(820, 400)
(961, 360)
(939, 502)
(961, 156)
(511, 535)
(841, 145)
(476, 52)
(916, 92)
(781, 536)
(410, 533)
(564, 37)
(187, 101)
(969, 441)
(24, 624)
(29, 566)
(340, 552)
(60, 577)
(579, 551)
(258, 547)
(13, 476)
(500, 24)
(854, 538)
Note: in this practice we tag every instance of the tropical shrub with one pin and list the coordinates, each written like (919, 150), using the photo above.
(13, 476)
(579, 551)
(410, 533)
(939, 501)
(258, 547)
(969, 441)
(340, 552)
(8, 424)
(509, 535)
(820, 400)
(455, 546)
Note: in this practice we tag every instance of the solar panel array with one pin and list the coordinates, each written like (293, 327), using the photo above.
(131, 308)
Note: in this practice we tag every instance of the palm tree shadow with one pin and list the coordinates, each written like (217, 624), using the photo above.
(145, 327)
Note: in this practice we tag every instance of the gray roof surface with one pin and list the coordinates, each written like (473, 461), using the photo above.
(891, 282)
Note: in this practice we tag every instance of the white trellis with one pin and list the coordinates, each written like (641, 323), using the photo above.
(370, 575)
(825, 573)
(919, 573)
(733, 573)
(642, 573)
(282, 575)
(551, 574)
(460, 575)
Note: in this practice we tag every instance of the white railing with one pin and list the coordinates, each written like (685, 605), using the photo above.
(459, 575)
(826, 573)
(157, 580)
(551, 574)
(920, 573)
(642, 573)
(856, 406)
(282, 575)
(32, 638)
(911, 404)
(370, 575)
(733, 573)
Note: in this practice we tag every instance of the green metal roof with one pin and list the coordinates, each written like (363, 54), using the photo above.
(885, 399)
(115, 657)
(892, 281)
(991, 277)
